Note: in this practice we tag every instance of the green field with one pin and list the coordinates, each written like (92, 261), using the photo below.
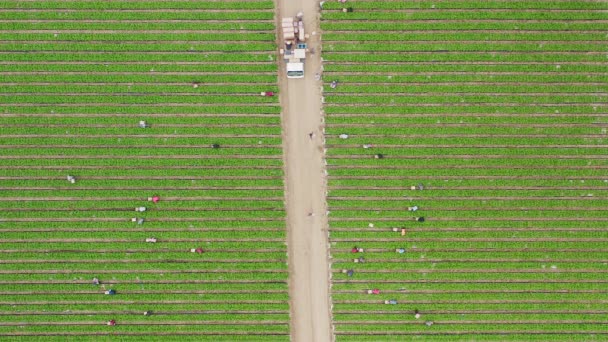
(499, 109)
(76, 78)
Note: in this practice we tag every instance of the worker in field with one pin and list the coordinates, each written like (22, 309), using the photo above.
(95, 281)
(333, 84)
(343, 136)
(154, 199)
(143, 124)
(197, 250)
(151, 239)
(428, 323)
(140, 209)
(412, 208)
(71, 179)
(215, 146)
(110, 292)
(366, 146)
(147, 313)
(359, 260)
(111, 322)
(138, 220)
(347, 10)
(391, 302)
(396, 230)
(374, 291)
(416, 314)
(349, 273)
(379, 156)
(400, 250)
(356, 250)
(195, 85)
(419, 219)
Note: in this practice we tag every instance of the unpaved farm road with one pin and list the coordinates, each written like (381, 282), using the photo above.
(305, 185)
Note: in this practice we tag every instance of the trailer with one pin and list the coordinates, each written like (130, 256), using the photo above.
(294, 45)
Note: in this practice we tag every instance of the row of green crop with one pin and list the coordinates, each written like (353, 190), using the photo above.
(426, 274)
(152, 330)
(98, 46)
(143, 295)
(472, 296)
(407, 36)
(387, 288)
(393, 261)
(108, 336)
(362, 46)
(168, 120)
(77, 15)
(142, 109)
(487, 205)
(134, 152)
(193, 173)
(472, 214)
(475, 5)
(135, 57)
(152, 319)
(134, 5)
(430, 336)
(144, 36)
(462, 166)
(500, 224)
(138, 237)
(227, 90)
(406, 16)
(198, 132)
(183, 265)
(451, 57)
(397, 99)
(373, 129)
(413, 150)
(514, 182)
(75, 193)
(52, 26)
(142, 78)
(336, 120)
(94, 25)
(141, 98)
(450, 26)
(495, 78)
(447, 192)
(400, 88)
(269, 66)
(156, 163)
(152, 215)
(463, 68)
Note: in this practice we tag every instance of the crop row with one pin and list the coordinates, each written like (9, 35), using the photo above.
(144, 36)
(109, 46)
(407, 16)
(134, 5)
(134, 57)
(451, 57)
(144, 16)
(474, 5)
(456, 26)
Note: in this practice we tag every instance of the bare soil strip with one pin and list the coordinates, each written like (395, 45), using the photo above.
(305, 186)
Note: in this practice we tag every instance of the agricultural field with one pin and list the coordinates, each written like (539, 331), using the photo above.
(76, 78)
(499, 110)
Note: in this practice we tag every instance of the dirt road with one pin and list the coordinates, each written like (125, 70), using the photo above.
(305, 187)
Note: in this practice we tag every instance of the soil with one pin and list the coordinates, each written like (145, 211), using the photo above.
(305, 184)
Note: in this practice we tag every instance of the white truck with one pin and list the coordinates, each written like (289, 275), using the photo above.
(295, 48)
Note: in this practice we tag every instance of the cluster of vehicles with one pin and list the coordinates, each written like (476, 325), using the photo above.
(294, 48)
